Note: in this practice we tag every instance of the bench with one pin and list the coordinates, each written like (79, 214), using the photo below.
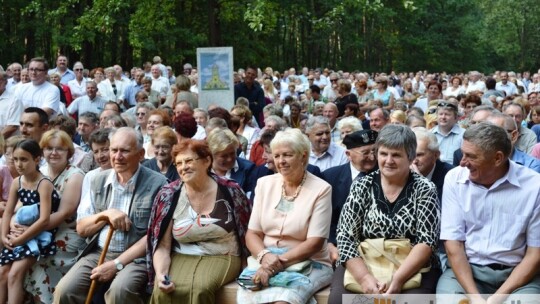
(227, 294)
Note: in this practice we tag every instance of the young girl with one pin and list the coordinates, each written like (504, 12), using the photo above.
(31, 187)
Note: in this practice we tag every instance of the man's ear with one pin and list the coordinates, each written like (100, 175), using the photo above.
(498, 158)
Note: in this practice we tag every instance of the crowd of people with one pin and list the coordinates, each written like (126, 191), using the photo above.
(279, 192)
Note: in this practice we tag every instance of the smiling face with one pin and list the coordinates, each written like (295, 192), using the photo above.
(287, 161)
(190, 167)
(162, 149)
(268, 158)
(55, 153)
(478, 162)
(393, 163)
(363, 158)
(319, 136)
(225, 160)
(101, 155)
(154, 122)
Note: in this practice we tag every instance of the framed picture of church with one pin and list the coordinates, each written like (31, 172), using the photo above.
(216, 85)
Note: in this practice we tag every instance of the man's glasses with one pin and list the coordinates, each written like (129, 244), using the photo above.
(141, 114)
(33, 70)
(78, 70)
(333, 80)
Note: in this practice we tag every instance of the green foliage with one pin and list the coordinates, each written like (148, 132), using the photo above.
(369, 35)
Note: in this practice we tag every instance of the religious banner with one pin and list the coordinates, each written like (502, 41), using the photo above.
(216, 86)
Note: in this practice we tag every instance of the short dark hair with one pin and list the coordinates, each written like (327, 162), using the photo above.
(491, 83)
(65, 123)
(42, 60)
(43, 117)
(91, 116)
(315, 89)
(100, 136)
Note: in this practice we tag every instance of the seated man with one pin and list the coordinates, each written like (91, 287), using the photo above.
(124, 194)
(490, 220)
(361, 154)
(427, 162)
(324, 153)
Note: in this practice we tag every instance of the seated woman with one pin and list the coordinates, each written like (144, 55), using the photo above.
(289, 224)
(392, 203)
(163, 140)
(196, 230)
(224, 144)
(67, 180)
(156, 118)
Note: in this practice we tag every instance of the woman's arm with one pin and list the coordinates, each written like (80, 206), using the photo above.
(69, 202)
(45, 189)
(8, 212)
(390, 105)
(417, 258)
(302, 251)
(162, 260)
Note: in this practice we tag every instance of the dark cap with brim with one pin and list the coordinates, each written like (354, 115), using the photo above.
(360, 138)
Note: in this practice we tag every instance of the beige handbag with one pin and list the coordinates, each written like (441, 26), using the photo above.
(382, 258)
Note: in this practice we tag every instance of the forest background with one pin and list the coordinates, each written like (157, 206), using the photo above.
(366, 35)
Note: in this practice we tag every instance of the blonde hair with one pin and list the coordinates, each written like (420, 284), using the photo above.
(64, 138)
(220, 139)
(295, 139)
(399, 116)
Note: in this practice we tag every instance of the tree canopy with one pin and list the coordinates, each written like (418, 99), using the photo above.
(367, 35)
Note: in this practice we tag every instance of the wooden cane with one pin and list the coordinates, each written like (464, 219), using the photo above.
(101, 257)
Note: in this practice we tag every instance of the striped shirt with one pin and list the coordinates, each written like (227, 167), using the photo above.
(121, 196)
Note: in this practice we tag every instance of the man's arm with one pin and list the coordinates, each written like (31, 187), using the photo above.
(8, 131)
(460, 265)
(87, 226)
(523, 273)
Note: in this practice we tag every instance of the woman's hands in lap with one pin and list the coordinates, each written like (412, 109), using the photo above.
(371, 285)
(165, 288)
(273, 263)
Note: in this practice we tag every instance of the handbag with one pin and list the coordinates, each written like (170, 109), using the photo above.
(382, 258)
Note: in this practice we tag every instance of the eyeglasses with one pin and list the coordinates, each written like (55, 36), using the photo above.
(185, 162)
(141, 113)
(33, 70)
(77, 70)
(310, 79)
(55, 149)
(333, 80)
(447, 105)
(162, 147)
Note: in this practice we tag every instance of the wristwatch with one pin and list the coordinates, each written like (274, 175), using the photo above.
(119, 265)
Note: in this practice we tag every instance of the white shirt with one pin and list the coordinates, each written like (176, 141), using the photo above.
(77, 90)
(45, 95)
(334, 156)
(509, 88)
(11, 109)
(160, 85)
(496, 224)
(476, 86)
(449, 143)
(85, 104)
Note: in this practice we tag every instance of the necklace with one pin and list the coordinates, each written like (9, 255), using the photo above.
(296, 193)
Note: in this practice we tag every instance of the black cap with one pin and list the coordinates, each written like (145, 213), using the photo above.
(360, 138)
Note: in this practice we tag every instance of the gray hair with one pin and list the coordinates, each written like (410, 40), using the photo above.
(281, 124)
(128, 130)
(351, 122)
(147, 105)
(316, 120)
(486, 108)
(423, 134)
(398, 137)
(489, 138)
(295, 139)
(91, 116)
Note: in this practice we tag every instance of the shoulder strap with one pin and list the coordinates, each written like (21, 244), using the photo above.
(37, 187)
(20, 185)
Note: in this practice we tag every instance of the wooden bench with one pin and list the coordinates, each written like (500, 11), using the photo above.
(227, 294)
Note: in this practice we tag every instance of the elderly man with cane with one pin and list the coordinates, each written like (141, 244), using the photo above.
(124, 194)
